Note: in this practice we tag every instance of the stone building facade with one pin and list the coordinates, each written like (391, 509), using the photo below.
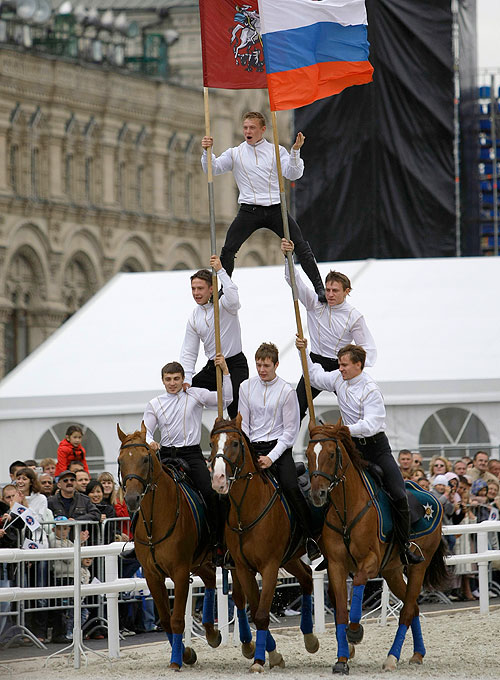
(100, 173)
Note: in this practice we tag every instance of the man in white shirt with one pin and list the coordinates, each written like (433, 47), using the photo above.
(362, 408)
(270, 418)
(177, 415)
(200, 326)
(253, 164)
(332, 324)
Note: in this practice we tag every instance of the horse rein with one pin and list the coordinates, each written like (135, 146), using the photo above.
(235, 468)
(334, 479)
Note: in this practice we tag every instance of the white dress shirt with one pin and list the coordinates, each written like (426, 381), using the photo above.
(200, 326)
(333, 327)
(269, 410)
(254, 170)
(178, 416)
(360, 400)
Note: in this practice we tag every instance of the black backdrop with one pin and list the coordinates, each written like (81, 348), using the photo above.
(380, 177)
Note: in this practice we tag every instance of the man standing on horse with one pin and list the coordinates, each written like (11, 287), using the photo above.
(200, 326)
(253, 164)
(362, 408)
(331, 324)
(270, 418)
(177, 415)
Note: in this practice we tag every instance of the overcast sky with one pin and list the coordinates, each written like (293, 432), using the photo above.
(488, 33)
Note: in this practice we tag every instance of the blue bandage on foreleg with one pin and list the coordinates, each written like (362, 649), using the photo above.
(177, 649)
(208, 605)
(398, 641)
(306, 620)
(270, 643)
(244, 626)
(342, 646)
(260, 645)
(169, 638)
(418, 640)
(356, 603)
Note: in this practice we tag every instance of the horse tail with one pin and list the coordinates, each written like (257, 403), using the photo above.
(437, 576)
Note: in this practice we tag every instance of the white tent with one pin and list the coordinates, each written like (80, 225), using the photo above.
(435, 321)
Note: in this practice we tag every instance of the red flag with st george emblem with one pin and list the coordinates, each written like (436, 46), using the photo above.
(233, 57)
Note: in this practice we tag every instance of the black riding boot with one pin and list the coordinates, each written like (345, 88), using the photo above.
(227, 260)
(303, 516)
(401, 521)
(308, 263)
(130, 554)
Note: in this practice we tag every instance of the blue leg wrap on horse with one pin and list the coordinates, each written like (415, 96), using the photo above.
(356, 603)
(177, 649)
(306, 619)
(270, 643)
(169, 638)
(342, 646)
(260, 645)
(418, 640)
(398, 641)
(244, 626)
(208, 605)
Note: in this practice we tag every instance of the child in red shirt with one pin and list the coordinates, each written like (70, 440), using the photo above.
(70, 448)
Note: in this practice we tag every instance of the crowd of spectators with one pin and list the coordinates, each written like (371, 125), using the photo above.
(469, 492)
(54, 491)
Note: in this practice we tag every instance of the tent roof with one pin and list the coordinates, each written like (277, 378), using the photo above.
(435, 322)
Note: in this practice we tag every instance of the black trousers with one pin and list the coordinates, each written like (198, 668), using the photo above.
(253, 217)
(329, 365)
(377, 450)
(284, 468)
(198, 468)
(238, 369)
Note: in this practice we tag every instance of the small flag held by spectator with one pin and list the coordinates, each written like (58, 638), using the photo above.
(30, 545)
(26, 515)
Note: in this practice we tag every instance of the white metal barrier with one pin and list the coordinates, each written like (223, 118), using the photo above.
(114, 585)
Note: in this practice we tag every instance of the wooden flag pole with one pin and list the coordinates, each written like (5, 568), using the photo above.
(286, 231)
(213, 250)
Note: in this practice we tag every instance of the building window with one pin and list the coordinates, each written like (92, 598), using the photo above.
(16, 334)
(68, 178)
(35, 169)
(14, 168)
(88, 179)
(453, 432)
(139, 188)
(49, 441)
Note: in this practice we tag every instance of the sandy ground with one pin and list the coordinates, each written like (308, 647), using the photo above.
(460, 645)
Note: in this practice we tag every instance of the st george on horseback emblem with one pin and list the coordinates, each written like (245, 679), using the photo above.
(245, 39)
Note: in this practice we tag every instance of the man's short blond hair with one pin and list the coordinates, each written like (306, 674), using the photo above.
(257, 115)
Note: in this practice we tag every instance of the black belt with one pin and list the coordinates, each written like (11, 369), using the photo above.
(328, 363)
(173, 451)
(364, 441)
(263, 448)
(231, 359)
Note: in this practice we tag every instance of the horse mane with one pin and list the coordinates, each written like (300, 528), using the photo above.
(134, 435)
(222, 424)
(341, 432)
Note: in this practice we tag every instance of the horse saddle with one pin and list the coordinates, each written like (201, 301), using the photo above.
(425, 510)
(179, 469)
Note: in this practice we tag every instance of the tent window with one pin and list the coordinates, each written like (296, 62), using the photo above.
(453, 432)
(49, 441)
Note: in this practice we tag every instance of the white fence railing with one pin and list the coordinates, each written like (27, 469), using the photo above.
(114, 585)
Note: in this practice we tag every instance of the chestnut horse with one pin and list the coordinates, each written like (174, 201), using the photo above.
(166, 542)
(258, 533)
(351, 544)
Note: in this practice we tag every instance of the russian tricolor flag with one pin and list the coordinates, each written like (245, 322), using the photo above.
(313, 49)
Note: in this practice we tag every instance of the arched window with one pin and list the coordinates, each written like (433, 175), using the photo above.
(453, 432)
(49, 441)
(79, 283)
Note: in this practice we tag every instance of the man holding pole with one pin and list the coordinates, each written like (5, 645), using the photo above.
(331, 325)
(253, 164)
(200, 326)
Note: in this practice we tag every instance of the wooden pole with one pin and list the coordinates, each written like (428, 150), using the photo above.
(286, 232)
(213, 250)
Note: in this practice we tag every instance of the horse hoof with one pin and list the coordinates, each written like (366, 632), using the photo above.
(257, 667)
(175, 667)
(417, 659)
(352, 651)
(390, 663)
(341, 668)
(248, 649)
(189, 657)
(355, 636)
(311, 643)
(275, 659)
(215, 640)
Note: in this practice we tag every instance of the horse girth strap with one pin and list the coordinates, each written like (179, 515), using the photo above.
(346, 529)
(240, 529)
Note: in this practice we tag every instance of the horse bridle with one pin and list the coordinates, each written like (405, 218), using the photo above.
(235, 468)
(334, 479)
(146, 483)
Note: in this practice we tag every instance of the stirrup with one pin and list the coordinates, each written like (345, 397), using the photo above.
(312, 548)
(218, 555)
(228, 562)
(409, 557)
(128, 554)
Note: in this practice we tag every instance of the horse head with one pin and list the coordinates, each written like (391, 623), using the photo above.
(135, 466)
(229, 453)
(326, 460)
